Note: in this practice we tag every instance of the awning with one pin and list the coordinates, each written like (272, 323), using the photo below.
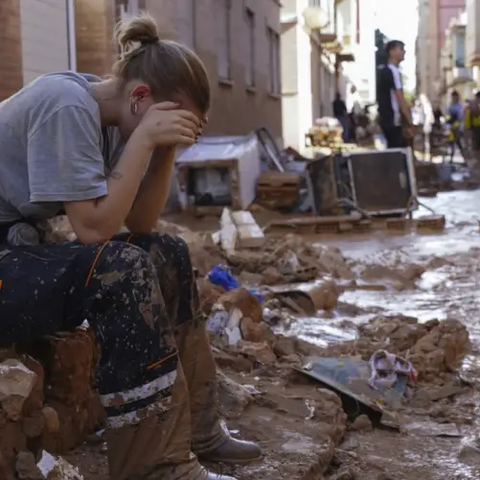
(327, 38)
(345, 57)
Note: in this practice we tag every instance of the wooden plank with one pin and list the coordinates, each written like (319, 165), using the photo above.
(277, 179)
(228, 233)
(316, 220)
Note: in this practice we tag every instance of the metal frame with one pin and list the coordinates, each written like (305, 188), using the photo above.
(412, 205)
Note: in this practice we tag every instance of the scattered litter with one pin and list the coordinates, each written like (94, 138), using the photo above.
(349, 377)
(432, 429)
(222, 276)
(57, 468)
(386, 367)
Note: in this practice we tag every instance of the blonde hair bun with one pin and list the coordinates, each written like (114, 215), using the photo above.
(139, 29)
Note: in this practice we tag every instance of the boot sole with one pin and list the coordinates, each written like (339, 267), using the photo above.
(232, 461)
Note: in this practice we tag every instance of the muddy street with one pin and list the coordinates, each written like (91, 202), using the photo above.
(447, 288)
(415, 295)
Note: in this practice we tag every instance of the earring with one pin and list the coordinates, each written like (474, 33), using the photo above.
(133, 106)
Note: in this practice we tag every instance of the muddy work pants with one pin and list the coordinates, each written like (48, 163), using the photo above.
(156, 374)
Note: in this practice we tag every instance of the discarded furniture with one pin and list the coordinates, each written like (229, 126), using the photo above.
(218, 172)
(278, 190)
(373, 182)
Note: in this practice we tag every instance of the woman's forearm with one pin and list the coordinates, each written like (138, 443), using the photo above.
(98, 220)
(153, 193)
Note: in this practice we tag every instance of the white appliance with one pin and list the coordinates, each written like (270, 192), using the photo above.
(219, 171)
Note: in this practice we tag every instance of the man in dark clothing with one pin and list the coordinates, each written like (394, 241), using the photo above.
(341, 114)
(394, 111)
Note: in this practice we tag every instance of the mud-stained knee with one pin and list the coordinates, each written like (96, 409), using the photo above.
(120, 260)
(170, 245)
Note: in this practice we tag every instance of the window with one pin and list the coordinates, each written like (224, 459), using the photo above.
(274, 61)
(225, 39)
(126, 8)
(250, 72)
(459, 46)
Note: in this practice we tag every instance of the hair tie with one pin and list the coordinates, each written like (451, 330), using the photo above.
(149, 41)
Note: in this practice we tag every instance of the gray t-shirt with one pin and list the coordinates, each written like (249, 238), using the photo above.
(52, 147)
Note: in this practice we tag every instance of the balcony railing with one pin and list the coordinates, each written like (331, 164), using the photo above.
(462, 74)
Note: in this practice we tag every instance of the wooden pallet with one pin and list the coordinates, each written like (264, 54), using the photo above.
(355, 224)
(430, 222)
(321, 225)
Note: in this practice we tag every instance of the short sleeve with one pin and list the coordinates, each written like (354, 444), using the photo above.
(65, 161)
(397, 79)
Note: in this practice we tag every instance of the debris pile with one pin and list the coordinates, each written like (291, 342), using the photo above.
(435, 348)
(290, 260)
(47, 401)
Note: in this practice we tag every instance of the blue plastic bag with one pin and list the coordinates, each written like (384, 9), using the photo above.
(222, 276)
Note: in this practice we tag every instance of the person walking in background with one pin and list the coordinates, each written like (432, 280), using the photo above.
(354, 109)
(395, 116)
(472, 133)
(455, 120)
(340, 112)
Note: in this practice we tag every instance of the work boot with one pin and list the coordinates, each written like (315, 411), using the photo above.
(210, 441)
(233, 451)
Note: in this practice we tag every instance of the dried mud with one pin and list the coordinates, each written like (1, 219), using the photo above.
(411, 295)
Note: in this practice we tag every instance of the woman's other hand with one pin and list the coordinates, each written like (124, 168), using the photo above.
(164, 125)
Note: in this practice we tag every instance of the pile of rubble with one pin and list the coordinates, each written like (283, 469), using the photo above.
(47, 402)
(435, 348)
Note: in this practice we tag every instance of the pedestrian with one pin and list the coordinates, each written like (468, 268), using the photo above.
(395, 117)
(355, 112)
(103, 152)
(341, 114)
(455, 120)
(472, 132)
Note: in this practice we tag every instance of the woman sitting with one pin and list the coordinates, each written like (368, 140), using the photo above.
(103, 151)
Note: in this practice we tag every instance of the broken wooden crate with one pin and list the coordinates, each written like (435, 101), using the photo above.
(278, 190)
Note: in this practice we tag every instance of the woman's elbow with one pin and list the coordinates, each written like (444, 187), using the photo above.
(91, 237)
(92, 234)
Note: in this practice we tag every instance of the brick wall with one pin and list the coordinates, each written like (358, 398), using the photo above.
(94, 21)
(235, 109)
(11, 77)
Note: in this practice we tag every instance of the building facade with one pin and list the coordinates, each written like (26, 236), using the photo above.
(472, 42)
(36, 37)
(239, 43)
(434, 18)
(318, 39)
(456, 72)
